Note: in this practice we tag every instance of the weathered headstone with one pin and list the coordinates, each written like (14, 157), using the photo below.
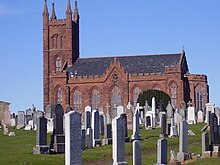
(200, 117)
(21, 119)
(209, 109)
(73, 138)
(205, 143)
(173, 131)
(183, 141)
(7, 118)
(41, 137)
(118, 147)
(48, 113)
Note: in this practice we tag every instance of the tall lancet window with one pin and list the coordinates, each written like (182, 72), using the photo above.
(115, 97)
(59, 95)
(136, 93)
(198, 97)
(58, 64)
(173, 89)
(95, 99)
(77, 101)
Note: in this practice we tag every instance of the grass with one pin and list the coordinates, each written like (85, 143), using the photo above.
(18, 150)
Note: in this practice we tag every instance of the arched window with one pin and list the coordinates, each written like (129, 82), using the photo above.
(136, 93)
(173, 89)
(77, 101)
(58, 64)
(115, 97)
(95, 99)
(198, 97)
(59, 95)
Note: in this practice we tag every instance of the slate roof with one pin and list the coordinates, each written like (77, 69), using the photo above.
(131, 64)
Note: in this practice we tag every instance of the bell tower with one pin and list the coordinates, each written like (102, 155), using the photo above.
(60, 46)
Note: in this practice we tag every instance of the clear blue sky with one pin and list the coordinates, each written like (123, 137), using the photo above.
(108, 27)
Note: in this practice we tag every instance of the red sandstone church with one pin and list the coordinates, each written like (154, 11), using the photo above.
(78, 82)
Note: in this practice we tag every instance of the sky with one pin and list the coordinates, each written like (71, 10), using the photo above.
(107, 28)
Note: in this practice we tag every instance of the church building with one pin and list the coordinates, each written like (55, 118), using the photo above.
(78, 82)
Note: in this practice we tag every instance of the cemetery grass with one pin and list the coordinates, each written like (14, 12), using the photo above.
(18, 149)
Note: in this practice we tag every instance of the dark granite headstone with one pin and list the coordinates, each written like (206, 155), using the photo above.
(124, 118)
(101, 124)
(214, 132)
(58, 119)
(88, 119)
(163, 125)
(83, 139)
(41, 137)
(148, 122)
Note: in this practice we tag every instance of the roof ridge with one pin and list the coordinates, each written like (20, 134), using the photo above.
(138, 55)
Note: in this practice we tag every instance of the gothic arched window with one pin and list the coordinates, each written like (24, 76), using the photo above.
(198, 97)
(77, 101)
(58, 64)
(95, 99)
(115, 97)
(136, 93)
(173, 89)
(59, 95)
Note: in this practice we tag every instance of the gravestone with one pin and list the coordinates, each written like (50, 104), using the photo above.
(83, 139)
(129, 113)
(90, 138)
(73, 138)
(21, 119)
(118, 147)
(153, 106)
(101, 123)
(48, 113)
(120, 110)
(50, 125)
(217, 112)
(136, 129)
(149, 120)
(214, 132)
(182, 113)
(87, 119)
(41, 137)
(35, 119)
(163, 125)
(27, 119)
(108, 115)
(108, 135)
(162, 151)
(169, 110)
(191, 115)
(205, 143)
(209, 109)
(200, 117)
(7, 118)
(95, 128)
(183, 141)
(137, 154)
(124, 117)
(177, 118)
(13, 123)
(160, 118)
(173, 131)
(58, 138)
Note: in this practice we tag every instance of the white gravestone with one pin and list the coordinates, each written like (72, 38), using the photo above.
(191, 115)
(200, 117)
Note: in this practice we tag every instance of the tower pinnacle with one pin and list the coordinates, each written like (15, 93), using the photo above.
(68, 9)
(53, 15)
(45, 11)
(76, 13)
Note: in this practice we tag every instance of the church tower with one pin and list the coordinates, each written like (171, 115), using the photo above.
(60, 47)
